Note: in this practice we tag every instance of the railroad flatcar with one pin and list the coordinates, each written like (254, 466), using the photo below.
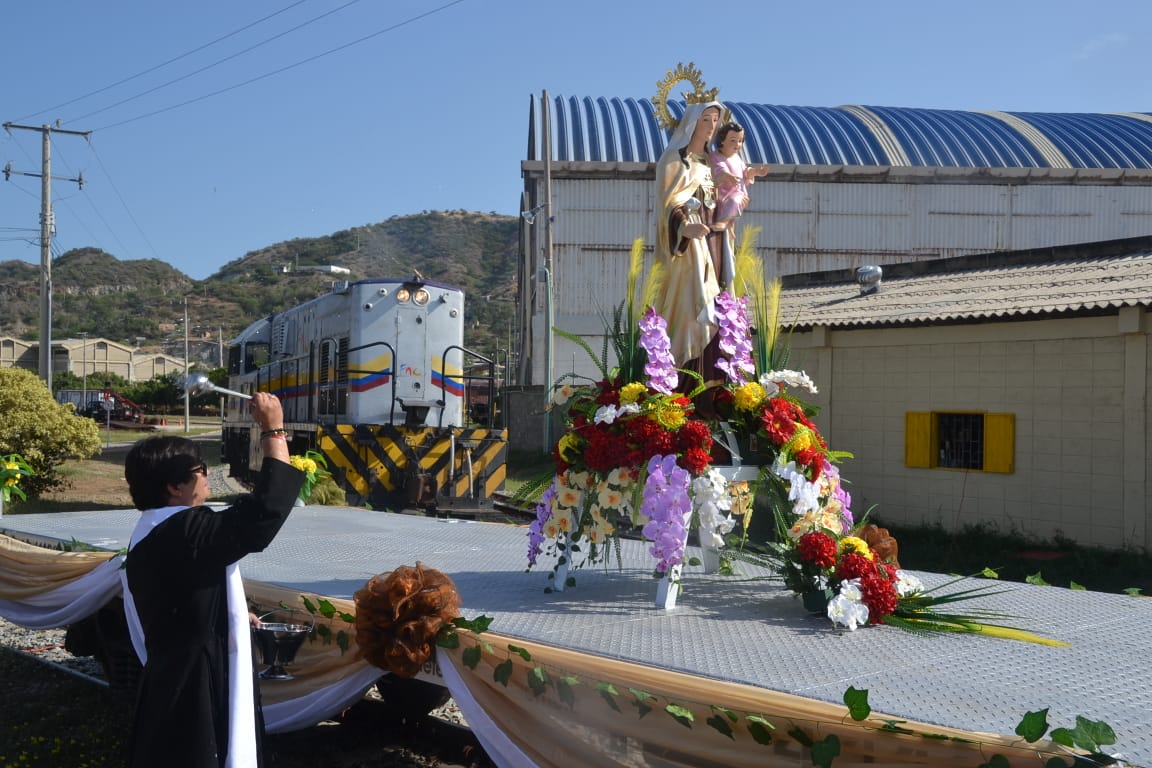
(374, 376)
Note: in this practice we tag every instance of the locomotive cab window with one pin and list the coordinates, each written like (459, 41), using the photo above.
(984, 442)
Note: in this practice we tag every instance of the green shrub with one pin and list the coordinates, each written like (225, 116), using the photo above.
(41, 430)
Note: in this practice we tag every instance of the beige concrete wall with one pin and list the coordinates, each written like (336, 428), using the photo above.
(1079, 390)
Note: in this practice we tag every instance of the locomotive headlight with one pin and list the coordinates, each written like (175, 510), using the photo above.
(421, 297)
(402, 295)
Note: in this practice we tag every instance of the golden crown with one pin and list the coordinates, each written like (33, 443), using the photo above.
(682, 73)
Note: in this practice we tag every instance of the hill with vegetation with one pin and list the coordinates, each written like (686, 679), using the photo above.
(142, 302)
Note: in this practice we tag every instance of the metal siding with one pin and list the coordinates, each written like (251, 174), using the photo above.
(954, 216)
(853, 215)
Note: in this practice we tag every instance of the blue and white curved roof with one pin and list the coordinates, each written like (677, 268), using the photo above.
(625, 130)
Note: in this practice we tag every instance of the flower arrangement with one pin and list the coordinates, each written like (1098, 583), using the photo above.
(634, 454)
(13, 468)
(851, 573)
(315, 469)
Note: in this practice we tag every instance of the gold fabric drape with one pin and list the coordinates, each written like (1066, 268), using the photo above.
(29, 570)
(584, 729)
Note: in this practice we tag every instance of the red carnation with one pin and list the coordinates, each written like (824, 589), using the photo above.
(696, 460)
(694, 434)
(855, 566)
(818, 548)
(608, 394)
(879, 594)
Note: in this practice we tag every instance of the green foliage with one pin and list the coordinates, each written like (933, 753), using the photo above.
(327, 492)
(162, 394)
(43, 432)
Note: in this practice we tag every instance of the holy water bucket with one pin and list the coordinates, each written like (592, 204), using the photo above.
(278, 641)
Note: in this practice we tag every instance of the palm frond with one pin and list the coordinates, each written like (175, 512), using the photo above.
(533, 488)
(764, 304)
(635, 269)
(657, 276)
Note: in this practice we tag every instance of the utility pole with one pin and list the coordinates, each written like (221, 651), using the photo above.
(47, 227)
(187, 394)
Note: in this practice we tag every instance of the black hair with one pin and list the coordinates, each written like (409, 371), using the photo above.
(730, 127)
(154, 463)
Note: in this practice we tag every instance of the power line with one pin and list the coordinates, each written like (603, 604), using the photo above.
(120, 197)
(162, 64)
(284, 68)
(216, 63)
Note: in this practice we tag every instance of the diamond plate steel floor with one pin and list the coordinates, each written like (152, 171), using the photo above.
(740, 628)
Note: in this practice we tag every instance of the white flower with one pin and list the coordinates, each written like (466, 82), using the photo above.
(795, 379)
(562, 394)
(847, 608)
(711, 499)
(605, 414)
(804, 494)
(907, 584)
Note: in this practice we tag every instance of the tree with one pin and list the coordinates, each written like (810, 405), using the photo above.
(41, 430)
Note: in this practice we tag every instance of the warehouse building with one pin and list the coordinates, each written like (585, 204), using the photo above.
(926, 195)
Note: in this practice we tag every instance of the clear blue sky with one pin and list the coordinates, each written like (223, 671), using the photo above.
(430, 111)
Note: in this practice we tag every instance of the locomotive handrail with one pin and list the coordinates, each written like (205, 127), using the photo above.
(467, 378)
(391, 379)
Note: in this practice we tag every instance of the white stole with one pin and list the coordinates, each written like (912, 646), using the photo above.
(241, 698)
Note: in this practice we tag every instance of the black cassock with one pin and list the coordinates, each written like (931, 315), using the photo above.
(177, 578)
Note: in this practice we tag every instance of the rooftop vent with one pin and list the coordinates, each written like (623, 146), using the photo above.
(868, 278)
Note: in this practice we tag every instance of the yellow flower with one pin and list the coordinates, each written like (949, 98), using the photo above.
(670, 416)
(855, 544)
(630, 393)
(569, 446)
(802, 440)
(748, 396)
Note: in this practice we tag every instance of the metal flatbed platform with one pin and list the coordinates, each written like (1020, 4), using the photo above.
(734, 628)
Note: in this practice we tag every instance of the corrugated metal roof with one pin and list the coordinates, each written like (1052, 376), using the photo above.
(944, 294)
(600, 129)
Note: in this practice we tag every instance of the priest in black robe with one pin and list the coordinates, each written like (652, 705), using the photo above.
(184, 598)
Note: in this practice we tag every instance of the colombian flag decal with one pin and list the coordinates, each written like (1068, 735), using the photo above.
(449, 379)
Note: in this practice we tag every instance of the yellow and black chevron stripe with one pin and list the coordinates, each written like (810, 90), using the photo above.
(377, 461)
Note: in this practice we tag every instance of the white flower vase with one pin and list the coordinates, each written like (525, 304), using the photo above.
(709, 553)
(560, 575)
(668, 588)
